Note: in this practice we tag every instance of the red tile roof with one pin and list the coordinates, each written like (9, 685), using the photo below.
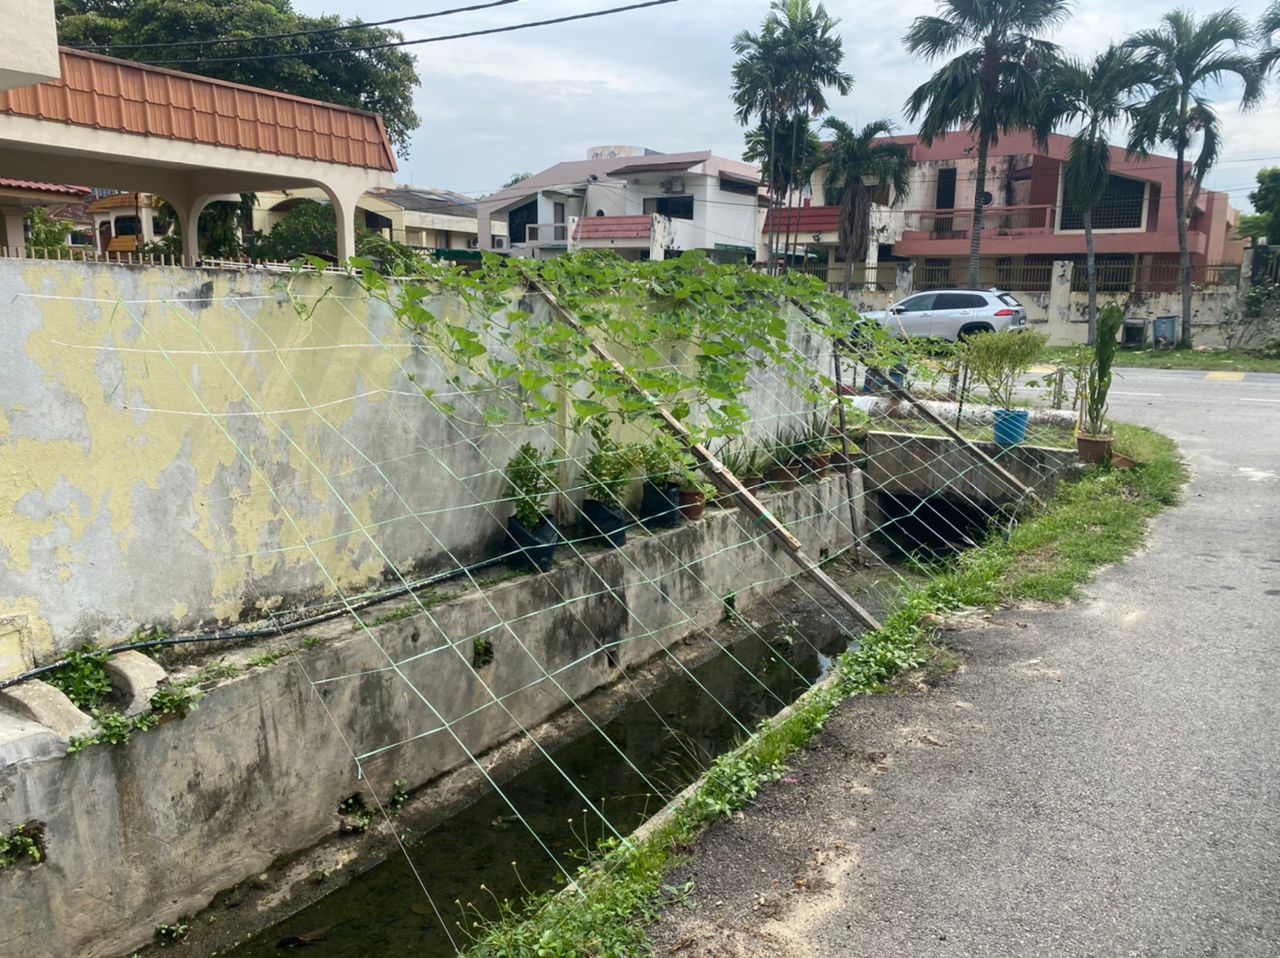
(30, 186)
(110, 94)
(613, 227)
(806, 219)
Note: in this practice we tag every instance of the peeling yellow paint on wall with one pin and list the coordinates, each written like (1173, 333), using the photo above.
(202, 396)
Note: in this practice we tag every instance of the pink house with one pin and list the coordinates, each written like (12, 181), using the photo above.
(1030, 221)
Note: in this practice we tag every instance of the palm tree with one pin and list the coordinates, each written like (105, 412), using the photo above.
(989, 88)
(853, 158)
(1267, 27)
(783, 72)
(1096, 95)
(789, 152)
(1184, 56)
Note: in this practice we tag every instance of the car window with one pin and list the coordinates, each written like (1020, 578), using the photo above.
(1009, 300)
(959, 301)
(917, 304)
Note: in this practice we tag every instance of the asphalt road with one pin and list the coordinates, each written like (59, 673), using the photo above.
(1102, 779)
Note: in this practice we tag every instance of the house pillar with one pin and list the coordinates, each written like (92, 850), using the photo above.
(873, 261)
(344, 198)
(188, 213)
(1060, 315)
(11, 220)
(906, 277)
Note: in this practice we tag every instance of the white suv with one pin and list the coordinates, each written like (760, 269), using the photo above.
(954, 314)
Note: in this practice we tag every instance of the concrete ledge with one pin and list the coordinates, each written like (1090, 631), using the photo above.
(45, 705)
(135, 678)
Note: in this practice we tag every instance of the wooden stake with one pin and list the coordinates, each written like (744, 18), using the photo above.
(722, 478)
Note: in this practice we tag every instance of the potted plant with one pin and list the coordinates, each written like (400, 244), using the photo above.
(745, 461)
(782, 469)
(694, 490)
(1093, 438)
(997, 360)
(605, 475)
(530, 529)
(818, 444)
(660, 496)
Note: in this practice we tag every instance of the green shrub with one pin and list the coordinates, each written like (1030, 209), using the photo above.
(530, 481)
(83, 677)
(997, 360)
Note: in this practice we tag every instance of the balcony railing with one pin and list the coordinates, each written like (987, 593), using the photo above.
(998, 220)
(882, 276)
(1037, 277)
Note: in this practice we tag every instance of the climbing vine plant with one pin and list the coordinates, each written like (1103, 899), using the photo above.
(691, 332)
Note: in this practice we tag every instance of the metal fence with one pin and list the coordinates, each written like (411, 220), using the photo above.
(882, 277)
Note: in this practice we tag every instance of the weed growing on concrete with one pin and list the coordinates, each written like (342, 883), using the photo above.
(83, 678)
(400, 795)
(354, 815)
(1094, 521)
(311, 641)
(481, 653)
(173, 934)
(22, 846)
(396, 615)
(111, 727)
(267, 659)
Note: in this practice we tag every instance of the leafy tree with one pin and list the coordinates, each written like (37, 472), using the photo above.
(1097, 95)
(46, 233)
(1266, 198)
(991, 87)
(1186, 59)
(516, 178)
(782, 73)
(307, 229)
(790, 151)
(1254, 227)
(221, 228)
(853, 158)
(379, 80)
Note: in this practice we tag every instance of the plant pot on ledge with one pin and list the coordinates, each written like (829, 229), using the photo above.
(784, 477)
(1094, 450)
(693, 504)
(1011, 426)
(534, 548)
(660, 505)
(607, 522)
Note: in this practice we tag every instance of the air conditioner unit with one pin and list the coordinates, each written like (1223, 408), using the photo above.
(672, 186)
(473, 243)
(499, 242)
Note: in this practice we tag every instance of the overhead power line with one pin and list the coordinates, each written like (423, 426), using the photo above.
(409, 43)
(168, 44)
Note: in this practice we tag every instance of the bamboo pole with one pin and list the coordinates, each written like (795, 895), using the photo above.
(722, 478)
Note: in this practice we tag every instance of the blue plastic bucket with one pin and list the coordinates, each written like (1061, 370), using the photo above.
(1011, 426)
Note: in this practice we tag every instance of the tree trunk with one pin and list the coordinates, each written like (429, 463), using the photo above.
(1184, 257)
(975, 225)
(1091, 275)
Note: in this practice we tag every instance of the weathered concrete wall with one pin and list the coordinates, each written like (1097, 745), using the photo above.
(181, 448)
(146, 832)
(910, 464)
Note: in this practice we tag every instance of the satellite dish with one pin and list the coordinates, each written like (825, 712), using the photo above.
(985, 198)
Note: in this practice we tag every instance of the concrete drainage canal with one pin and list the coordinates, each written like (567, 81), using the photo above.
(669, 736)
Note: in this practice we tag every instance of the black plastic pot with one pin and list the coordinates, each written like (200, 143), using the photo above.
(660, 506)
(534, 548)
(609, 524)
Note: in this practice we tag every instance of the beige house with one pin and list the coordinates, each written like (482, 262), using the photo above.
(422, 217)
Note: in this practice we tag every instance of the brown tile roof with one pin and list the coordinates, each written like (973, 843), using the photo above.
(106, 93)
(30, 186)
(614, 227)
(805, 219)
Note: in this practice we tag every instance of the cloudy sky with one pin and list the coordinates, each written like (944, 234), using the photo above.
(659, 77)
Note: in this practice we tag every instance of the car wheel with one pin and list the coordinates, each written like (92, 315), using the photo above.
(972, 329)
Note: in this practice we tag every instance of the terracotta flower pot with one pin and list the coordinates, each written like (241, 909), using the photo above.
(1093, 449)
(692, 505)
(784, 477)
(819, 462)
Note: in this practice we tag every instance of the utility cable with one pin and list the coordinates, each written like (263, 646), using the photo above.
(409, 43)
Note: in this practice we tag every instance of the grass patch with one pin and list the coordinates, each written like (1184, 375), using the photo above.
(1241, 360)
(1094, 521)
